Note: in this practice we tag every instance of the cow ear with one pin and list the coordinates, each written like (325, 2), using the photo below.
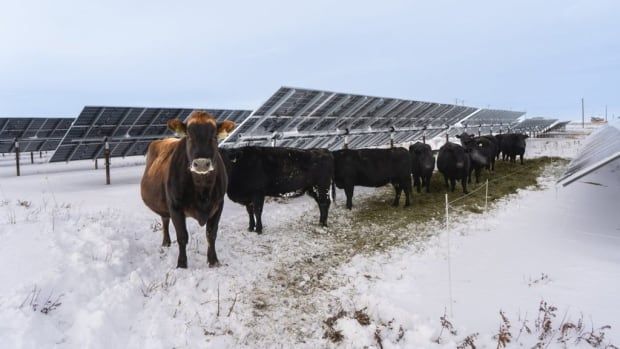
(458, 136)
(224, 128)
(177, 126)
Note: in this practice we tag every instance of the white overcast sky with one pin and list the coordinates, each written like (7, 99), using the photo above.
(539, 56)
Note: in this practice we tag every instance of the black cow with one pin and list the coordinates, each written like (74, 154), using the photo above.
(186, 178)
(373, 168)
(482, 155)
(491, 144)
(513, 144)
(453, 163)
(422, 165)
(257, 172)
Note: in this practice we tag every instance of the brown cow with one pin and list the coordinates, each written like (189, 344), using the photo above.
(186, 177)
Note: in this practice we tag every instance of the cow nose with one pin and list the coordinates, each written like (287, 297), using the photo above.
(202, 165)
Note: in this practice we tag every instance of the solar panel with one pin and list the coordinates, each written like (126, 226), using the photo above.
(599, 149)
(33, 134)
(129, 130)
(308, 118)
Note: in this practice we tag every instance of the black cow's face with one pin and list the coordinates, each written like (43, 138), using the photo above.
(202, 134)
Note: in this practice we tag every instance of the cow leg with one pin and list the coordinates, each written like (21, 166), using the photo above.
(348, 190)
(165, 223)
(324, 202)
(521, 156)
(452, 184)
(398, 189)
(250, 210)
(416, 182)
(408, 190)
(258, 203)
(178, 220)
(478, 170)
(464, 184)
(212, 225)
(427, 183)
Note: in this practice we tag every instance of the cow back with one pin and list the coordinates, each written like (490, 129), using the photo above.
(273, 171)
(371, 167)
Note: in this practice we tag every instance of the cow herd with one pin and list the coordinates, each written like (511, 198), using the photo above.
(189, 176)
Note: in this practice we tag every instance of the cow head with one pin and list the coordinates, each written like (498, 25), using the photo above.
(202, 133)
(465, 138)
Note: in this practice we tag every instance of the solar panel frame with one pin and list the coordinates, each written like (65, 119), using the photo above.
(128, 130)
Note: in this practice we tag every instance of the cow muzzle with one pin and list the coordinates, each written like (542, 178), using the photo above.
(201, 166)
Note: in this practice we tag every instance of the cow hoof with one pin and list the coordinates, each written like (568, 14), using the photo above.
(250, 228)
(259, 232)
(165, 244)
(182, 265)
(465, 191)
(215, 264)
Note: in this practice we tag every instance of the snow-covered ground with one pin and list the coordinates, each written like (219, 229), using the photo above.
(83, 267)
(554, 245)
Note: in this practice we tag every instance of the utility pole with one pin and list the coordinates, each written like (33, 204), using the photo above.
(583, 117)
(605, 113)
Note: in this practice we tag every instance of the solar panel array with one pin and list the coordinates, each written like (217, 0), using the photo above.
(33, 134)
(129, 130)
(305, 118)
(494, 116)
(601, 147)
(535, 124)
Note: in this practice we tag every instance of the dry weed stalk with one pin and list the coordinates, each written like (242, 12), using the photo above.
(468, 342)
(445, 325)
(503, 336)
